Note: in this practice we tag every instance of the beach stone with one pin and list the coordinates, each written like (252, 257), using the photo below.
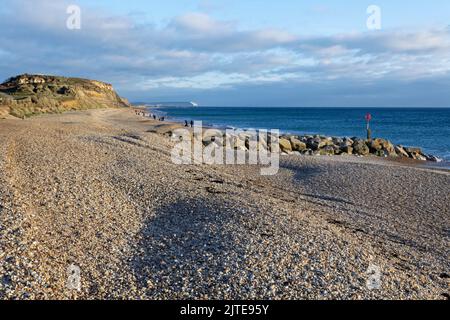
(360, 147)
(375, 145)
(346, 149)
(262, 145)
(297, 145)
(382, 147)
(413, 150)
(415, 153)
(401, 151)
(327, 151)
(420, 157)
(390, 150)
(348, 139)
(380, 153)
(207, 134)
(417, 156)
(285, 145)
(305, 138)
(237, 143)
(232, 141)
(432, 158)
(346, 142)
(317, 143)
(247, 136)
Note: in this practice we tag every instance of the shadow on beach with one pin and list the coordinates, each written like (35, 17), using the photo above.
(303, 172)
(186, 251)
(304, 175)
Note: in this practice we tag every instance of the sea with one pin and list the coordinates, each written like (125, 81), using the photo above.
(428, 128)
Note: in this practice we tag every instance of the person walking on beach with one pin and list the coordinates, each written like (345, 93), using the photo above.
(186, 123)
(192, 123)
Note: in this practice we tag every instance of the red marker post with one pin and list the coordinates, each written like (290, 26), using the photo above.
(369, 133)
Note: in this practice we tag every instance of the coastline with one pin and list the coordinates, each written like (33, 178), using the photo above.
(97, 189)
(434, 162)
(421, 127)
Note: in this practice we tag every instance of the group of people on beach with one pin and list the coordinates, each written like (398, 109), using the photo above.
(149, 115)
(143, 113)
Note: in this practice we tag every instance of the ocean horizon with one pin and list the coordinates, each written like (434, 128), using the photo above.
(420, 127)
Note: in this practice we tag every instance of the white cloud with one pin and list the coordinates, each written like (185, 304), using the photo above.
(201, 23)
(429, 40)
(197, 51)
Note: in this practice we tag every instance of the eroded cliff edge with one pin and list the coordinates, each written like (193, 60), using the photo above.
(26, 95)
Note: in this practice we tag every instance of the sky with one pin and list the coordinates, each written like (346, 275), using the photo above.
(239, 53)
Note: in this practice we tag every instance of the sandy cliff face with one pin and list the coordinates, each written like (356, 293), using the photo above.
(27, 95)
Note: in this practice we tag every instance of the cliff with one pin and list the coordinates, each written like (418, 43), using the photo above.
(28, 95)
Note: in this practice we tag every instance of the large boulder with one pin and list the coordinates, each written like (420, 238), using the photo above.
(389, 149)
(380, 153)
(337, 140)
(415, 153)
(313, 143)
(413, 150)
(382, 147)
(418, 156)
(401, 152)
(360, 147)
(375, 145)
(318, 143)
(432, 158)
(305, 138)
(297, 145)
(262, 144)
(328, 151)
(211, 136)
(346, 142)
(239, 144)
(345, 149)
(285, 145)
(235, 142)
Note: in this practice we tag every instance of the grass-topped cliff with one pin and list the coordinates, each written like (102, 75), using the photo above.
(28, 95)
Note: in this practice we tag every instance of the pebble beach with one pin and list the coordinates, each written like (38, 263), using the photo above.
(97, 189)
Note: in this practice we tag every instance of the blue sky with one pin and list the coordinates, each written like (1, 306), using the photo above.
(297, 16)
(230, 52)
